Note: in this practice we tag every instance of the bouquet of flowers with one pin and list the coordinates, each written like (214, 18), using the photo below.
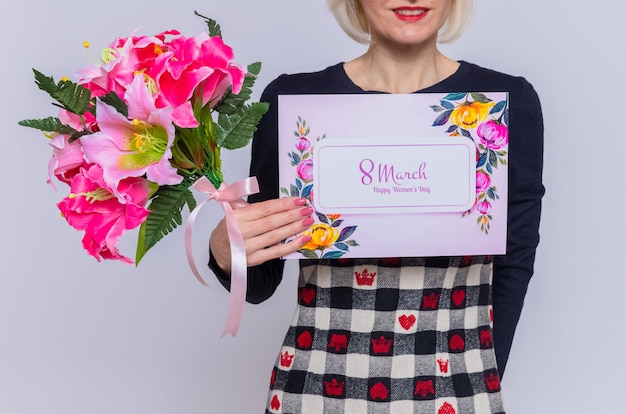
(135, 131)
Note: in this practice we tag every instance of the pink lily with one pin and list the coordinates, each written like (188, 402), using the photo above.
(67, 158)
(131, 148)
(91, 206)
(201, 64)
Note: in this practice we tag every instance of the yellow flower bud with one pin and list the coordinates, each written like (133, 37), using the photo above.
(322, 235)
(469, 114)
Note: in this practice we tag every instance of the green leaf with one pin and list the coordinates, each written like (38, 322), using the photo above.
(212, 26)
(231, 102)
(165, 215)
(346, 232)
(294, 191)
(114, 100)
(71, 96)
(333, 254)
(49, 124)
(235, 130)
(480, 97)
(309, 254)
(455, 96)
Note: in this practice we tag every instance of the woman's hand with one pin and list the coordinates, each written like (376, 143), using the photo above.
(263, 226)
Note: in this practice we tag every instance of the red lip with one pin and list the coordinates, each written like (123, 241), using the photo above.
(410, 17)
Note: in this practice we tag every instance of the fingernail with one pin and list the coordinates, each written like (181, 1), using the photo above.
(299, 201)
(306, 211)
(306, 239)
(307, 221)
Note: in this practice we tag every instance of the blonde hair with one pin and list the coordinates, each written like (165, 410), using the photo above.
(351, 18)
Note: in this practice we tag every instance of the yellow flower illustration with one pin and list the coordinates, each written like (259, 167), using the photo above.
(469, 114)
(322, 236)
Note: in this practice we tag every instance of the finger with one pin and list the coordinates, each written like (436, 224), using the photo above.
(262, 209)
(277, 251)
(276, 236)
(276, 225)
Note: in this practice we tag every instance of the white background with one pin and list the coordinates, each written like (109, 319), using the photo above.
(78, 337)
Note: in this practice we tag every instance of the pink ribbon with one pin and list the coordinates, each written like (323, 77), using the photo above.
(229, 197)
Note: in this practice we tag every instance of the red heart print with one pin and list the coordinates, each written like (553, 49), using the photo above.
(458, 296)
(307, 295)
(407, 321)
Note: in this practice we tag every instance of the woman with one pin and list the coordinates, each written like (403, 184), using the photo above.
(354, 360)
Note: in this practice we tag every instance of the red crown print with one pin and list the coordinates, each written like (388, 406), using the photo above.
(365, 279)
(338, 342)
(430, 301)
(443, 365)
(334, 387)
(424, 388)
(381, 345)
(493, 382)
(286, 359)
(485, 337)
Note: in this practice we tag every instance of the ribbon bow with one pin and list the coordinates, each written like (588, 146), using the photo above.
(229, 197)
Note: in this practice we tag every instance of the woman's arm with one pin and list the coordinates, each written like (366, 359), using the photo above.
(513, 271)
(267, 220)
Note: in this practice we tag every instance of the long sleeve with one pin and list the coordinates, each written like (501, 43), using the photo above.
(265, 278)
(513, 271)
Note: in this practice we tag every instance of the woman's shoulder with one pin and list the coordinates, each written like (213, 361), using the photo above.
(477, 77)
(328, 80)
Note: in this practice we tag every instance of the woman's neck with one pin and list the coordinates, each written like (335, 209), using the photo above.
(399, 70)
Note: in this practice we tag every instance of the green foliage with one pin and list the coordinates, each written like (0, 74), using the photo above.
(308, 254)
(69, 95)
(230, 102)
(114, 100)
(235, 130)
(165, 216)
(212, 26)
(49, 124)
(479, 97)
(196, 151)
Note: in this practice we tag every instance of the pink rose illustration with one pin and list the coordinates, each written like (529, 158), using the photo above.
(484, 207)
(305, 170)
(302, 144)
(483, 182)
(493, 134)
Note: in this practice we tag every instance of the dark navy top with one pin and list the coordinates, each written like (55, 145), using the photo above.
(512, 272)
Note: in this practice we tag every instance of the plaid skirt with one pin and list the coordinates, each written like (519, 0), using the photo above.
(392, 336)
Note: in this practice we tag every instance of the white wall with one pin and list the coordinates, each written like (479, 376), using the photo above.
(80, 337)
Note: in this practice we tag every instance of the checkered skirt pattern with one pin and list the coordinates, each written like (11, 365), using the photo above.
(392, 336)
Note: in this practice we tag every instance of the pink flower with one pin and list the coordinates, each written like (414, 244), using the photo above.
(133, 148)
(302, 144)
(483, 182)
(484, 207)
(305, 170)
(91, 206)
(67, 158)
(493, 134)
(179, 71)
(121, 61)
(199, 64)
(87, 121)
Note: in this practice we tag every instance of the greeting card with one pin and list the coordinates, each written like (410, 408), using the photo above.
(394, 175)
